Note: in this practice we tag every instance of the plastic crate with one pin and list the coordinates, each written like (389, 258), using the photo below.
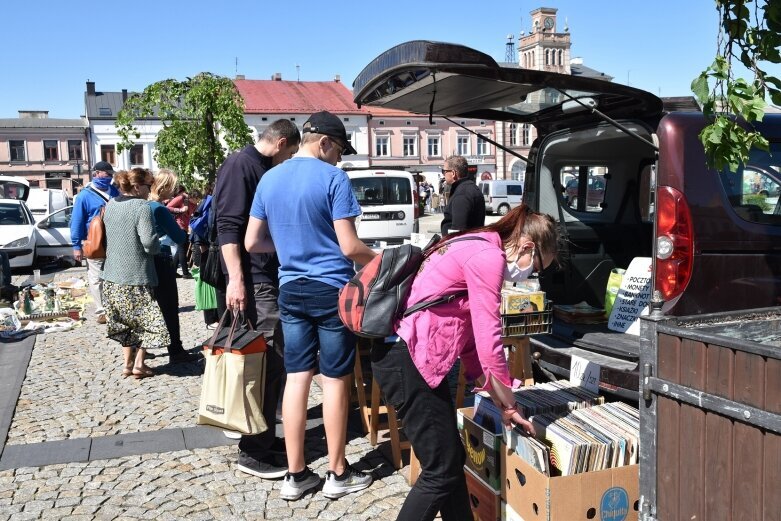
(527, 324)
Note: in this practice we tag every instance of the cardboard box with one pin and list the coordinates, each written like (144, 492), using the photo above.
(482, 449)
(508, 514)
(605, 495)
(483, 500)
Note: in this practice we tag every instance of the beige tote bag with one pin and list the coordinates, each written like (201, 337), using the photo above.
(232, 390)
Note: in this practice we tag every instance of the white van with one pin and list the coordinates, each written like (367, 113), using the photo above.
(501, 195)
(43, 201)
(388, 202)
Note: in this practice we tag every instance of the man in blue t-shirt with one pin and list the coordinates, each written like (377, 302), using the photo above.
(307, 205)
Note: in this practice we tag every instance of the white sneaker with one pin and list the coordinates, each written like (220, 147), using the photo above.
(351, 481)
(232, 435)
(293, 489)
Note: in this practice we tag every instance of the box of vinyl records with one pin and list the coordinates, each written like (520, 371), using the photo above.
(605, 495)
(483, 500)
(481, 443)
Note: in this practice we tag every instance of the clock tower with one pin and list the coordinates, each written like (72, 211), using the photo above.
(544, 48)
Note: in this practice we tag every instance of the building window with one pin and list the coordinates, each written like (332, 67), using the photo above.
(50, 152)
(482, 146)
(513, 135)
(17, 150)
(463, 146)
(74, 149)
(104, 111)
(382, 149)
(108, 154)
(410, 147)
(525, 130)
(137, 155)
(433, 146)
(351, 138)
(561, 57)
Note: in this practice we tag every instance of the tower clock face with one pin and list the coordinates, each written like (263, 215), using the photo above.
(548, 23)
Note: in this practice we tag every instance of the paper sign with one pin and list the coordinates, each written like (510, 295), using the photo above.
(584, 373)
(633, 297)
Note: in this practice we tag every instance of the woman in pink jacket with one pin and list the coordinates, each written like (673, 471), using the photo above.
(412, 373)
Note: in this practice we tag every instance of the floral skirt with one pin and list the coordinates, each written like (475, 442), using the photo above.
(134, 318)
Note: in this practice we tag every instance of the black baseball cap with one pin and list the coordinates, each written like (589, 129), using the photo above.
(329, 125)
(103, 166)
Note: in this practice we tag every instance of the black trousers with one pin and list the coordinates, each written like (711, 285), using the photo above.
(167, 296)
(264, 316)
(181, 254)
(430, 425)
(210, 316)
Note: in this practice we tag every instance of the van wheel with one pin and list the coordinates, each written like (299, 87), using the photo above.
(503, 209)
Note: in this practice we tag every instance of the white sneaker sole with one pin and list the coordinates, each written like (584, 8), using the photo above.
(344, 491)
(277, 474)
(233, 435)
(294, 497)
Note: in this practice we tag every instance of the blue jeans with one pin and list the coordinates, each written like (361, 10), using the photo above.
(430, 425)
(311, 325)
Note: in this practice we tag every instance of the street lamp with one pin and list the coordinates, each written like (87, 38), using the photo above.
(77, 171)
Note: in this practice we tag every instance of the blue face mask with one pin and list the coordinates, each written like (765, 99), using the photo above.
(102, 183)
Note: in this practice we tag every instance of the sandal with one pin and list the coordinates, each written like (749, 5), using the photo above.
(142, 372)
(127, 371)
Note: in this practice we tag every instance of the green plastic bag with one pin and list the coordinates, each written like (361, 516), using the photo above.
(613, 285)
(205, 295)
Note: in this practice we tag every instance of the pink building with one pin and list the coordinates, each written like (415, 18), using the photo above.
(48, 152)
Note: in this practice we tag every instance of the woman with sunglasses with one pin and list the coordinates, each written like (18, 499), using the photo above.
(134, 318)
(412, 373)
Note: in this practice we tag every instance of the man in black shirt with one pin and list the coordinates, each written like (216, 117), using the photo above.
(253, 280)
(465, 207)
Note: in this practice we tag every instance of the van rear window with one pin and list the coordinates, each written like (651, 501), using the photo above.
(755, 189)
(382, 190)
(583, 187)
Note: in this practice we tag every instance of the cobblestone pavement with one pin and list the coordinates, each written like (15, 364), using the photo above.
(74, 389)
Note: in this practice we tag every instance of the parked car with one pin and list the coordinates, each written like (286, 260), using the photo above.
(388, 202)
(501, 195)
(709, 250)
(595, 192)
(26, 242)
(43, 201)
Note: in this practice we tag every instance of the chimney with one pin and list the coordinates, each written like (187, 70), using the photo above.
(240, 77)
(33, 114)
(277, 76)
(338, 78)
(124, 95)
(90, 88)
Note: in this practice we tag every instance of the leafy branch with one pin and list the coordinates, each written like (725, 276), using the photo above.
(752, 38)
(202, 118)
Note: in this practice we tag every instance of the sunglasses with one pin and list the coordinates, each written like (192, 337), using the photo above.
(446, 170)
(342, 147)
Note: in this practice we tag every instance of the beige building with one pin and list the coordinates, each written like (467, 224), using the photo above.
(48, 152)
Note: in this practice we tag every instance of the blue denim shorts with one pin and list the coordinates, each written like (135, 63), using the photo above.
(311, 325)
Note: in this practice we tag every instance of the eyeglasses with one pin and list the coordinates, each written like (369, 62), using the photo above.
(446, 170)
(337, 143)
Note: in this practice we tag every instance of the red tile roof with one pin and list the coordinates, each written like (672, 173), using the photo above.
(378, 112)
(296, 97)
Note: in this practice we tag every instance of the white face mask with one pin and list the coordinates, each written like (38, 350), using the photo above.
(514, 273)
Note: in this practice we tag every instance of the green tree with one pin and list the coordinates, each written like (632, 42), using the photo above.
(201, 117)
(749, 33)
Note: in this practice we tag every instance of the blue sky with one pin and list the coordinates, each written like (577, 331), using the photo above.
(50, 48)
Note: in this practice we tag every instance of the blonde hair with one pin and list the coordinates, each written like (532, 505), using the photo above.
(165, 185)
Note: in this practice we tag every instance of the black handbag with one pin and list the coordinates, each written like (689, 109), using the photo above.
(211, 269)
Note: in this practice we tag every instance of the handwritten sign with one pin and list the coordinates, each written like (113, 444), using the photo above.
(584, 373)
(633, 297)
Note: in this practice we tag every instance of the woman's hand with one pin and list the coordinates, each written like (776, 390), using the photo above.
(512, 415)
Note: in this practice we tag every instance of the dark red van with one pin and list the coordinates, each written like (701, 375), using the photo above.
(714, 240)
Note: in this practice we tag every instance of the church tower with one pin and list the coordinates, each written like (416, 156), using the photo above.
(545, 49)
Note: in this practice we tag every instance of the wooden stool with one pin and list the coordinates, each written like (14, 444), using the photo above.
(372, 409)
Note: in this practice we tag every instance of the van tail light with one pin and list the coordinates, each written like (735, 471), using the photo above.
(674, 242)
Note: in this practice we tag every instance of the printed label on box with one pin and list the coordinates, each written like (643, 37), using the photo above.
(633, 297)
(614, 505)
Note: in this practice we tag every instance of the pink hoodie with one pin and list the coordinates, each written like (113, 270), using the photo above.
(469, 327)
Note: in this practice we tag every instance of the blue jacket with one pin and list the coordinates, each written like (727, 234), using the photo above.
(165, 223)
(86, 206)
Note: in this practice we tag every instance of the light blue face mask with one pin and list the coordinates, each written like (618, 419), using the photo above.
(514, 273)
(102, 183)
